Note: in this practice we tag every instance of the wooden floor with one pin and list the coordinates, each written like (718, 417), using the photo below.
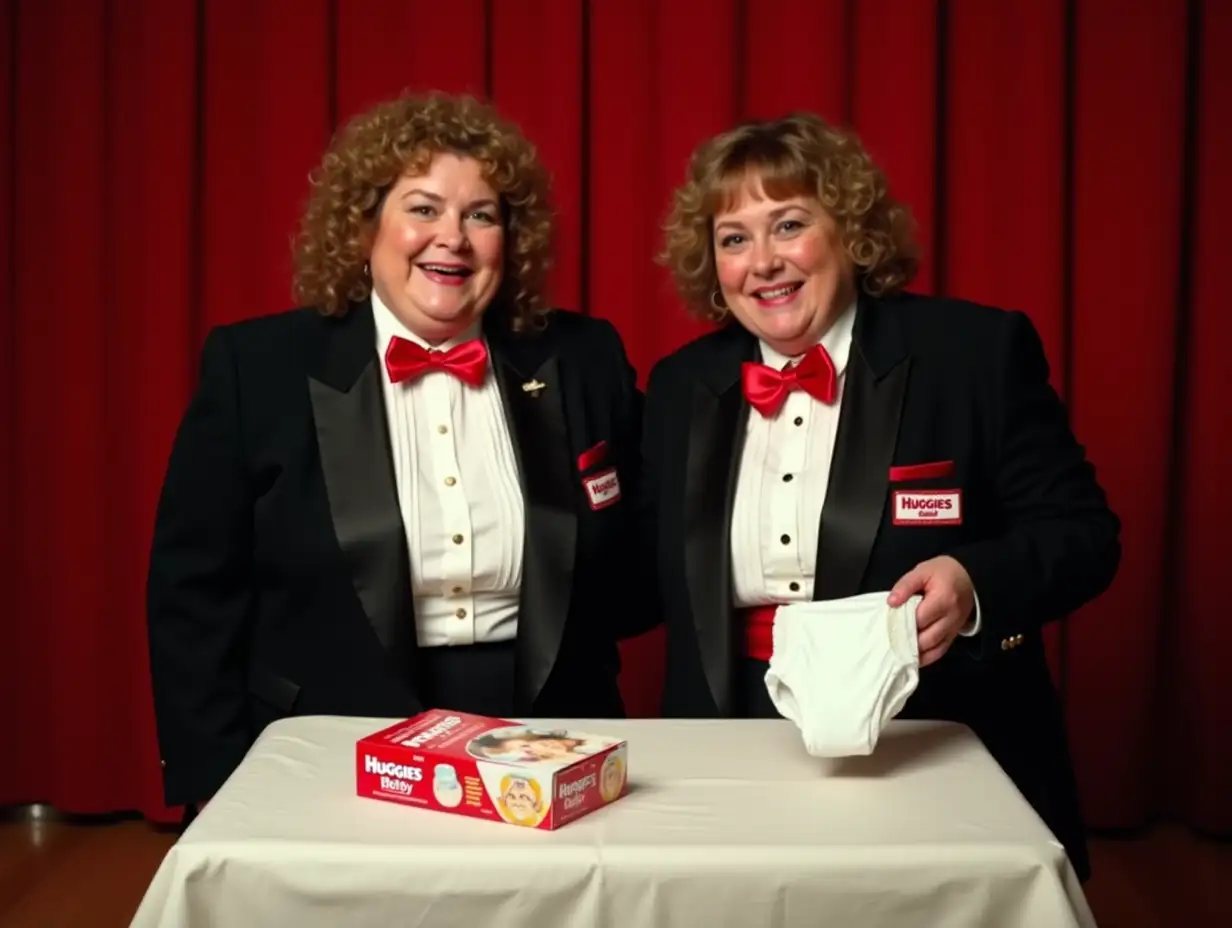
(77, 874)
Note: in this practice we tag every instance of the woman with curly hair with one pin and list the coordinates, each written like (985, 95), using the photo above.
(838, 437)
(409, 492)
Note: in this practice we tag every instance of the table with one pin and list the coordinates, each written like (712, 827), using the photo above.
(727, 823)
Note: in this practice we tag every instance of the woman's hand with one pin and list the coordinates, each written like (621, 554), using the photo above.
(949, 597)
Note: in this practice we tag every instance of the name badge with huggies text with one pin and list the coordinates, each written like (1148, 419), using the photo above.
(603, 489)
(928, 507)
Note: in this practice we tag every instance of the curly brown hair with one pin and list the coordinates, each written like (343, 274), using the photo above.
(401, 136)
(799, 155)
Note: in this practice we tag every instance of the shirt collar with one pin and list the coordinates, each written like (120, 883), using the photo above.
(836, 341)
(388, 325)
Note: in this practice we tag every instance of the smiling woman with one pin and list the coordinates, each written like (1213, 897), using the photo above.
(408, 493)
(750, 193)
(420, 179)
(804, 451)
(437, 253)
(781, 267)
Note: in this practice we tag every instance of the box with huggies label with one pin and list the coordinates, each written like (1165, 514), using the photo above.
(492, 768)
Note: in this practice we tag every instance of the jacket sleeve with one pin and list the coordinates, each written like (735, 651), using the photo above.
(199, 589)
(1060, 542)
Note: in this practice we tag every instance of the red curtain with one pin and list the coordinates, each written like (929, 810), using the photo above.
(1066, 159)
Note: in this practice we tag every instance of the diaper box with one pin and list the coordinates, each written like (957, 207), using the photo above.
(491, 768)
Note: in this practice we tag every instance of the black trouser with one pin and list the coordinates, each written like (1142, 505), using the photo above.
(477, 678)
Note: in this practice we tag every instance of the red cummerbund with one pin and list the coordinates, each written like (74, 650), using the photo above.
(759, 631)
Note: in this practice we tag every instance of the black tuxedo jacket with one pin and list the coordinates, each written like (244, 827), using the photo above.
(279, 575)
(929, 382)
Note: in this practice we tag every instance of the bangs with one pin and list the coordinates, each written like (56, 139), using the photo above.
(762, 165)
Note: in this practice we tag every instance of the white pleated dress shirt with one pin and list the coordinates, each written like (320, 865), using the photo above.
(460, 496)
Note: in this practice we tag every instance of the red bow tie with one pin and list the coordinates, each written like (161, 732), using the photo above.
(766, 389)
(406, 360)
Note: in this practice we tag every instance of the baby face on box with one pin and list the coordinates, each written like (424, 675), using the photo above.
(527, 746)
(612, 776)
(520, 796)
(520, 799)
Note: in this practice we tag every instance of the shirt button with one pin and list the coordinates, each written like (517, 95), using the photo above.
(457, 590)
(787, 478)
(442, 429)
(461, 613)
(450, 481)
(794, 587)
(457, 539)
(799, 420)
(785, 539)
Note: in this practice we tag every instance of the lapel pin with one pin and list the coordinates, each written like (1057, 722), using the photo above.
(533, 387)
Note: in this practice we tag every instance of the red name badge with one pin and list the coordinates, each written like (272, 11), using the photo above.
(603, 489)
(928, 507)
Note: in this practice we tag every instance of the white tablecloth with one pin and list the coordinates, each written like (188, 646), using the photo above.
(727, 823)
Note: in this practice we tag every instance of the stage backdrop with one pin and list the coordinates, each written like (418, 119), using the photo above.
(1070, 160)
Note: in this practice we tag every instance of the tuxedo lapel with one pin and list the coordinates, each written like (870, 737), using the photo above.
(718, 419)
(539, 430)
(348, 409)
(873, 392)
